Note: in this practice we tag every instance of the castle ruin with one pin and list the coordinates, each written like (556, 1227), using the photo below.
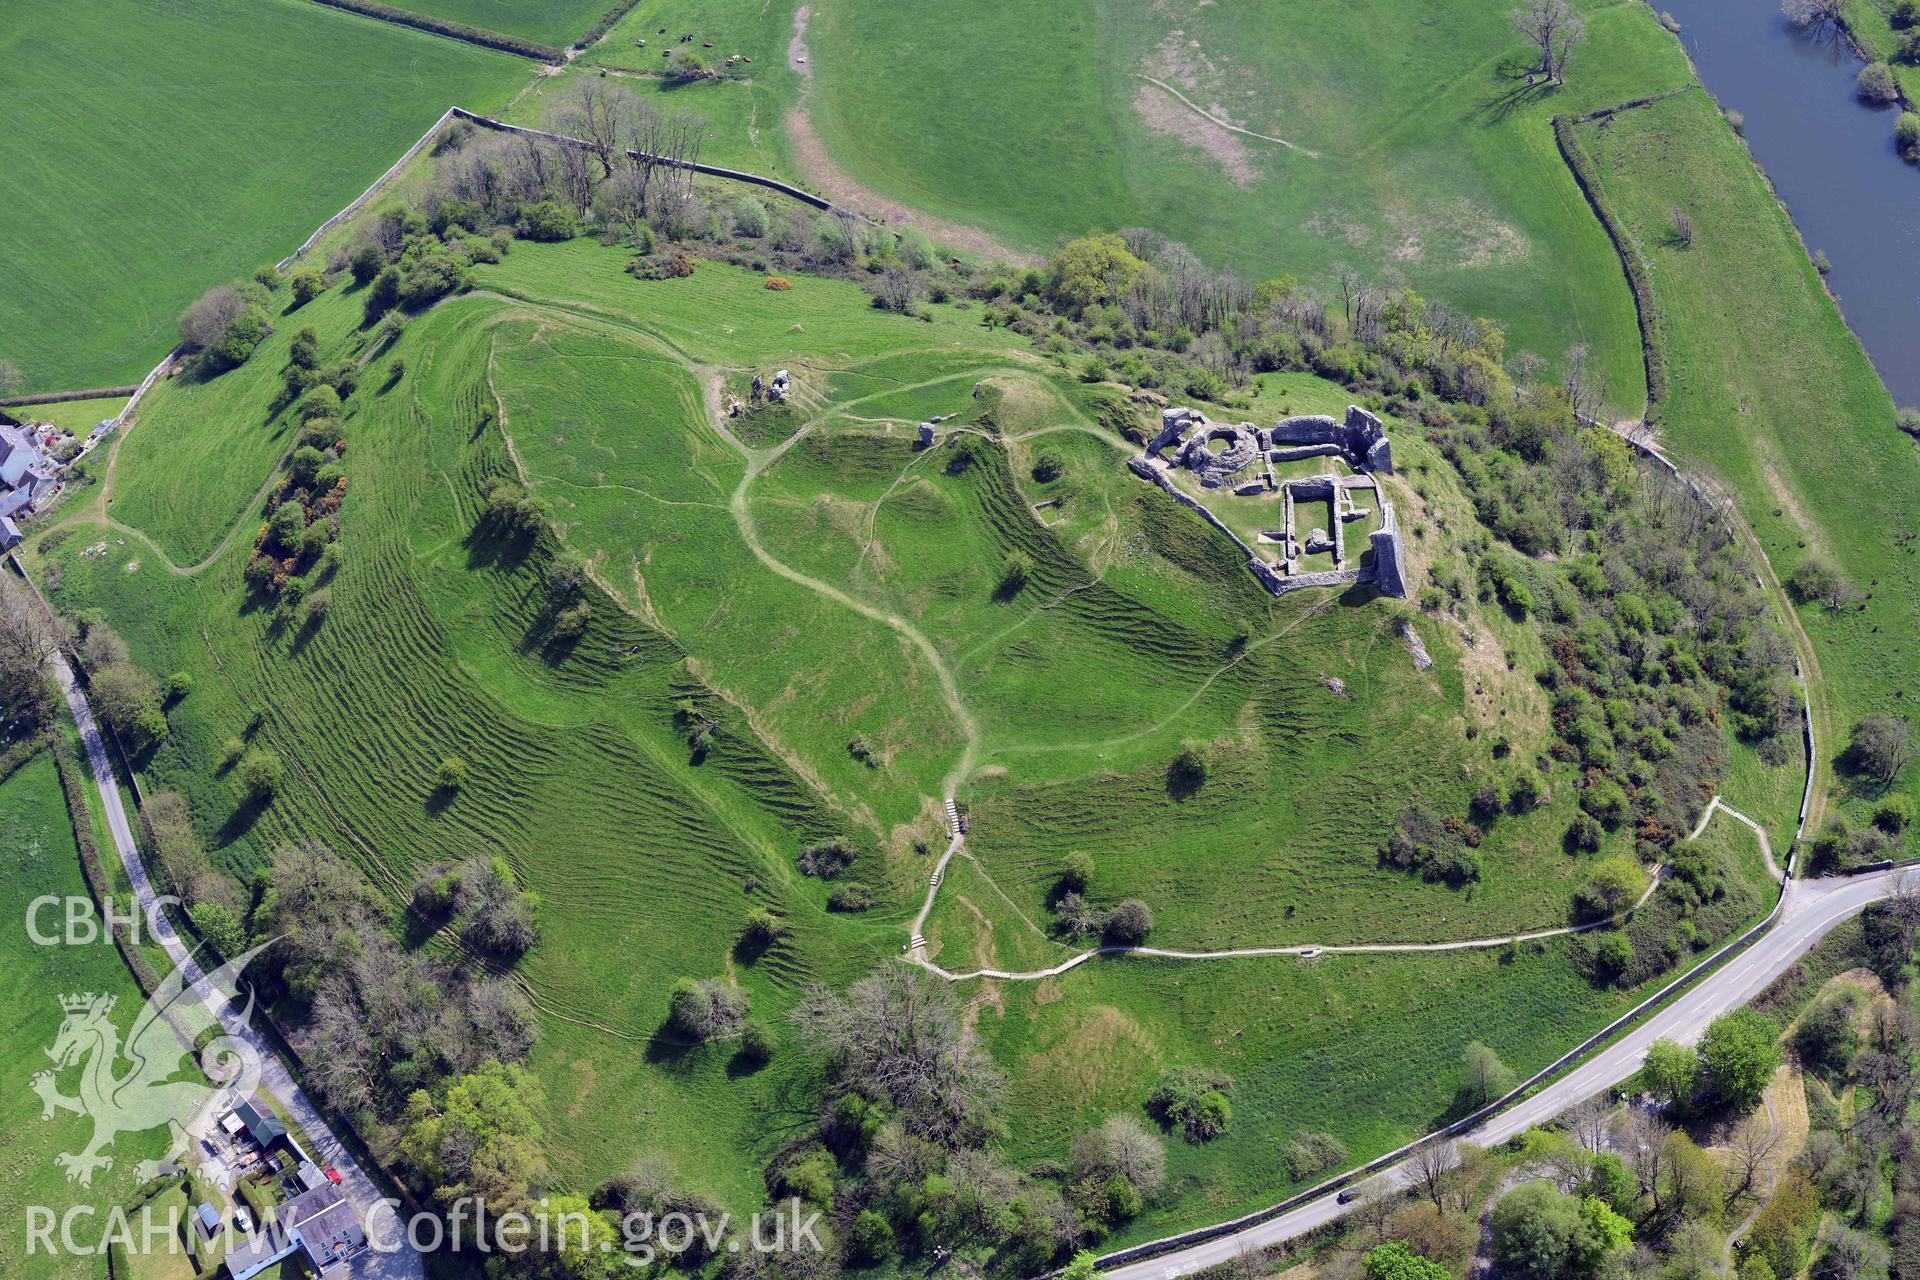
(1237, 461)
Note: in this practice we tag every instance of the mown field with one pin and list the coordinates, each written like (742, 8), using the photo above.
(810, 584)
(1773, 395)
(158, 148)
(37, 858)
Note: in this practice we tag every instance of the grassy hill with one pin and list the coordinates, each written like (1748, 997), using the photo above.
(831, 601)
(159, 148)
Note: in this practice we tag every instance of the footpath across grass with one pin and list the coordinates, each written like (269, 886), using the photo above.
(154, 150)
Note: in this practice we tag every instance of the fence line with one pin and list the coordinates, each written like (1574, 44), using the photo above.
(711, 170)
(58, 397)
(353, 206)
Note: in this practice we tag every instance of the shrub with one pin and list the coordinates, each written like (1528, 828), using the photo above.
(547, 220)
(248, 330)
(750, 217)
(826, 859)
(811, 1179)
(778, 284)
(1615, 885)
(1047, 468)
(217, 923)
(850, 897)
(179, 685)
(706, 1010)
(451, 775)
(318, 605)
(1894, 815)
(1906, 135)
(1312, 1153)
(869, 1240)
(1613, 954)
(260, 773)
(762, 927)
(1876, 83)
(1194, 1099)
(1015, 572)
(367, 262)
(1076, 871)
(307, 285)
(1881, 747)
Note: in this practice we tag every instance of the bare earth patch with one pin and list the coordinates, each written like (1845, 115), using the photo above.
(819, 169)
(1169, 117)
(1103, 1049)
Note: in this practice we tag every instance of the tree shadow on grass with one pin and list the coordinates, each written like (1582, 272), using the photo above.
(490, 546)
(1520, 87)
(669, 1051)
(242, 820)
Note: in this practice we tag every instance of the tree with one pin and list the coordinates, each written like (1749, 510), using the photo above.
(750, 217)
(1752, 1143)
(870, 1239)
(1532, 1232)
(1432, 1165)
(1881, 747)
(1483, 1077)
(1395, 1261)
(479, 1136)
(260, 773)
(206, 321)
(1738, 1056)
(1015, 572)
(1094, 269)
(1784, 1228)
(451, 775)
(900, 1035)
(27, 640)
(1122, 1147)
(1076, 871)
(1081, 1267)
(1670, 1070)
(1810, 14)
(129, 700)
(1129, 923)
(1615, 885)
(1553, 28)
(706, 1010)
(1693, 1182)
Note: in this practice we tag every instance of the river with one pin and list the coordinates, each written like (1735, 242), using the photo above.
(1832, 159)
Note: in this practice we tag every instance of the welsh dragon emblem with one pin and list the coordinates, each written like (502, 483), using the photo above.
(154, 1089)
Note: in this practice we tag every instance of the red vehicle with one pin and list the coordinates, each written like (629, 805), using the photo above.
(333, 1175)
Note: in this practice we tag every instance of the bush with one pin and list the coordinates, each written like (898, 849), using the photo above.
(762, 927)
(179, 685)
(1894, 815)
(1076, 871)
(778, 284)
(1047, 468)
(1876, 83)
(248, 330)
(869, 1240)
(547, 220)
(850, 897)
(1312, 1153)
(1906, 135)
(451, 775)
(1194, 1099)
(811, 1179)
(750, 217)
(1613, 954)
(827, 859)
(260, 773)
(205, 322)
(307, 285)
(706, 1010)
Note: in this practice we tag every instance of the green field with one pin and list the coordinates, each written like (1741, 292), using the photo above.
(1434, 165)
(159, 148)
(554, 22)
(1772, 394)
(38, 857)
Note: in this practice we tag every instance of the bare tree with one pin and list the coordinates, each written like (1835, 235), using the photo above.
(899, 1034)
(1811, 15)
(1587, 1122)
(596, 111)
(1580, 378)
(1646, 1137)
(27, 640)
(1751, 1142)
(1432, 1165)
(1553, 28)
(1682, 227)
(206, 321)
(1349, 281)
